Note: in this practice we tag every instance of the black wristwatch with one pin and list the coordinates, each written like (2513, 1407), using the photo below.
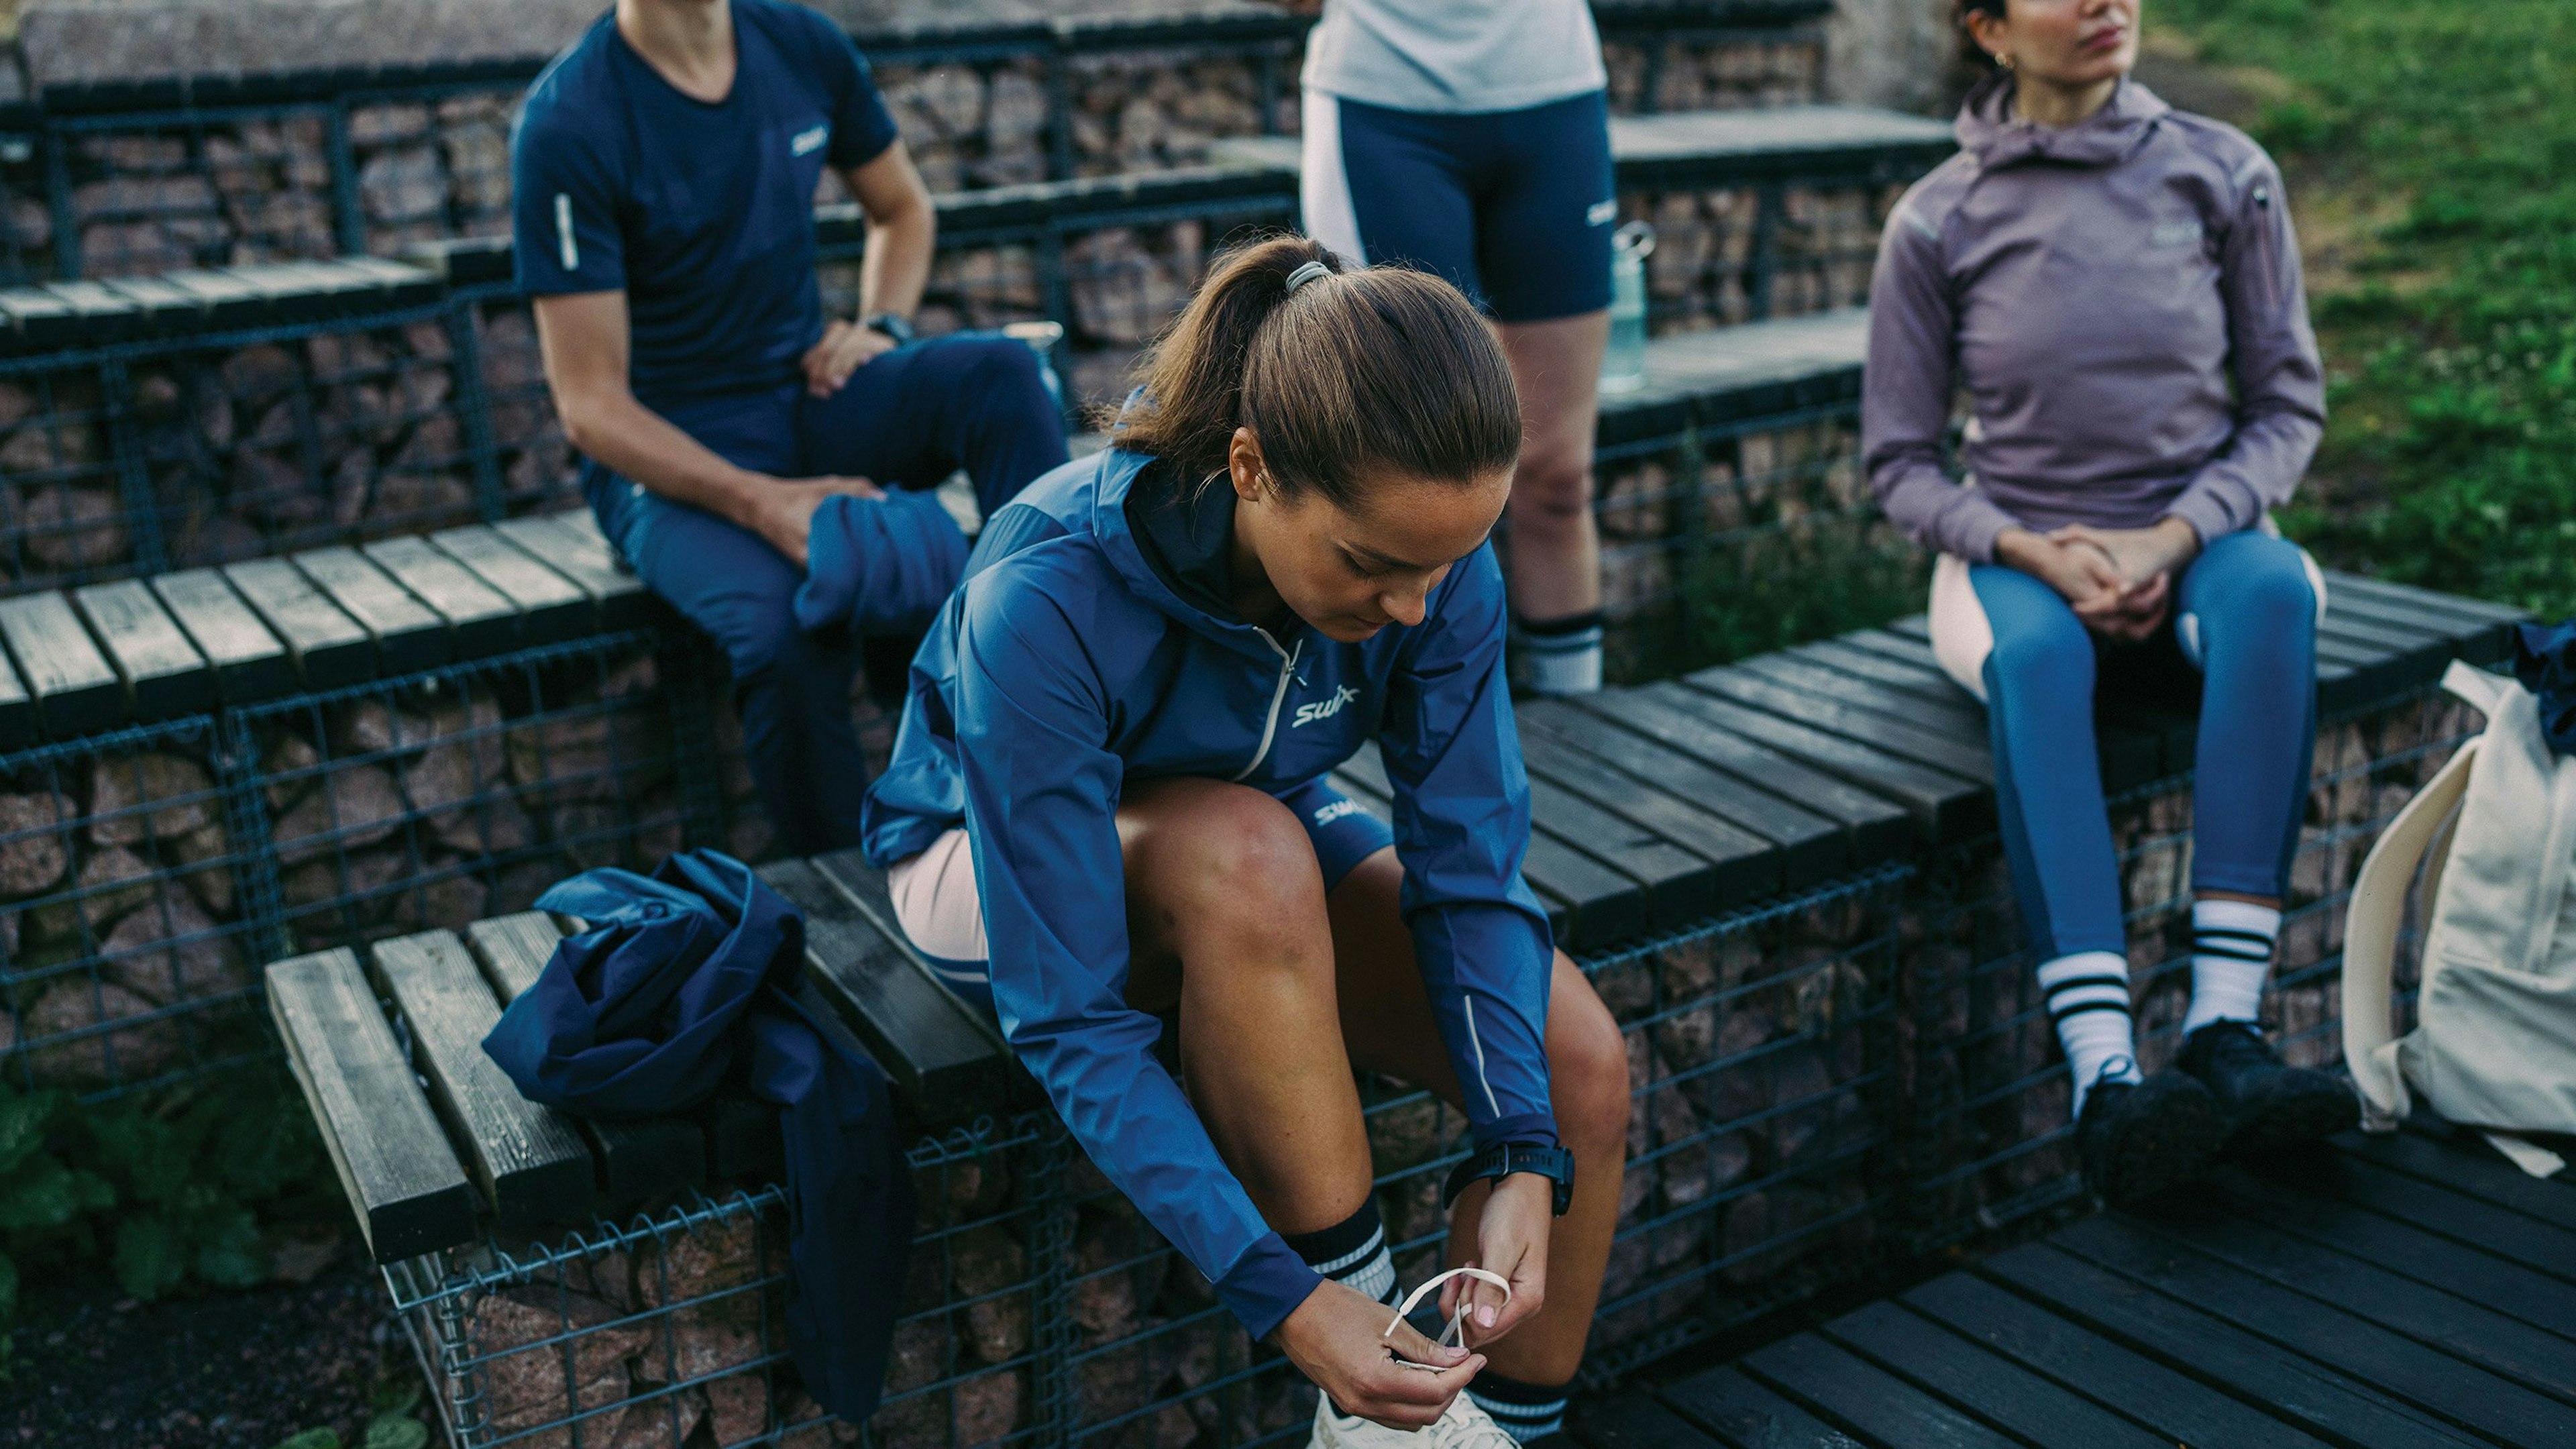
(1505, 1158)
(892, 325)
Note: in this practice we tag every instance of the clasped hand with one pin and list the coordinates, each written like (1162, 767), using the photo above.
(2120, 581)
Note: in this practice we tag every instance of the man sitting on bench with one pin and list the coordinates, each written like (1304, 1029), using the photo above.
(663, 176)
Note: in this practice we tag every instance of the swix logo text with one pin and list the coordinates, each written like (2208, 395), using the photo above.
(1326, 708)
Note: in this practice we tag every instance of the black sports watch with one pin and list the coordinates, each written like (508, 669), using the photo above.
(1556, 1164)
(892, 325)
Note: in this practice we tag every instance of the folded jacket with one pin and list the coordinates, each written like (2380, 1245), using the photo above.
(2544, 659)
(879, 565)
(683, 980)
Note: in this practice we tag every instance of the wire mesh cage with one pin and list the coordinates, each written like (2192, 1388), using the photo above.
(638, 1333)
(441, 798)
(1663, 67)
(1735, 254)
(126, 935)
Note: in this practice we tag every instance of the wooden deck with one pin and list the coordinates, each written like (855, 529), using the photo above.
(2405, 1292)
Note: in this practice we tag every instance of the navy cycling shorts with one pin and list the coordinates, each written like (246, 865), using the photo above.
(1513, 207)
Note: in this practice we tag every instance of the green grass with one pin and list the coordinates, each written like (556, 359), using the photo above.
(2432, 148)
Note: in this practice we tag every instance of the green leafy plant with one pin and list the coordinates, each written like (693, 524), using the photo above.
(166, 1191)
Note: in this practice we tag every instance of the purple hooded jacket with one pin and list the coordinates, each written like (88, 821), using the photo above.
(2096, 290)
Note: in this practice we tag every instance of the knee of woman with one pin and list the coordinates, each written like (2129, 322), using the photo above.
(2052, 652)
(1250, 852)
(1004, 365)
(2268, 584)
(1551, 491)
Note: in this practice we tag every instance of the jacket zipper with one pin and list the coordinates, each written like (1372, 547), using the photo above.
(1278, 696)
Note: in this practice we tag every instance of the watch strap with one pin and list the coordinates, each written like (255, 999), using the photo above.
(1501, 1160)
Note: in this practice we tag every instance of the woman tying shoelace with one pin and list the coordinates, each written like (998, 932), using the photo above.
(1107, 799)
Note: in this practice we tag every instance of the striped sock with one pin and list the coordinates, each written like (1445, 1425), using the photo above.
(2088, 998)
(2231, 958)
(1527, 1412)
(1352, 1252)
(1561, 656)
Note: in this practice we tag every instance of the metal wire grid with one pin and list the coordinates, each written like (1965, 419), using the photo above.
(1992, 1135)
(1683, 68)
(125, 948)
(143, 872)
(442, 798)
(636, 1333)
(1779, 249)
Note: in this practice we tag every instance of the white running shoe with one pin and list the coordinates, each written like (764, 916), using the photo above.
(1463, 1425)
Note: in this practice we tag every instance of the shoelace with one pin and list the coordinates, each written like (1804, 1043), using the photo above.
(1454, 1335)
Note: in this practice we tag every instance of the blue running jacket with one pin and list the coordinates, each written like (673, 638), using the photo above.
(1065, 665)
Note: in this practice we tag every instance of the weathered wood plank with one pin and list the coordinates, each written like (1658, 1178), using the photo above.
(1748, 1415)
(571, 545)
(1946, 806)
(1966, 757)
(550, 606)
(1741, 864)
(1992, 1388)
(945, 1063)
(401, 1176)
(75, 690)
(2184, 1409)
(638, 1160)
(326, 647)
(1856, 1392)
(2458, 1215)
(1679, 885)
(2468, 1167)
(1631, 1420)
(2218, 1353)
(163, 673)
(1810, 847)
(530, 1161)
(865, 885)
(407, 634)
(483, 622)
(17, 707)
(249, 662)
(2458, 1391)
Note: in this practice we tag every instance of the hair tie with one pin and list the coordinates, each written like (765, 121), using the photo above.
(1307, 273)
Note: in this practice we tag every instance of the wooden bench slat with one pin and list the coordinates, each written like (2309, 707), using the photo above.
(1991, 1387)
(1742, 865)
(940, 1057)
(1632, 1421)
(639, 1160)
(325, 646)
(1881, 829)
(571, 545)
(550, 606)
(1955, 715)
(1809, 847)
(1968, 758)
(1602, 904)
(164, 675)
(483, 622)
(75, 690)
(248, 661)
(2453, 605)
(1679, 885)
(17, 707)
(407, 635)
(1945, 804)
(1859, 1393)
(1745, 1413)
(401, 1176)
(529, 1160)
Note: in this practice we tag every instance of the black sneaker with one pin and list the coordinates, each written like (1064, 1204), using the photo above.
(2140, 1139)
(2268, 1105)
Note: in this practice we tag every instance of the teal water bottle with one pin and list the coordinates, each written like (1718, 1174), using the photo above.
(1623, 366)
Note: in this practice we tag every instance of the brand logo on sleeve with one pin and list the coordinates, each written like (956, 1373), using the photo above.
(1335, 811)
(2176, 233)
(807, 140)
(1325, 708)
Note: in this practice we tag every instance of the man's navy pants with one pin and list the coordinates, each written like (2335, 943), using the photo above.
(907, 419)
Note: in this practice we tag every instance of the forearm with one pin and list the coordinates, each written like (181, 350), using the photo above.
(897, 265)
(2258, 471)
(635, 442)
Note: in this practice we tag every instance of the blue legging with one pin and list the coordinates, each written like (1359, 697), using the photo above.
(2248, 612)
(908, 419)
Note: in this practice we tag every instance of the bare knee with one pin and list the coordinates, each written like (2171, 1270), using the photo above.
(1587, 1059)
(1551, 492)
(1216, 857)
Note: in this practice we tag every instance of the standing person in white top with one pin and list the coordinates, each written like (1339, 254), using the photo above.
(1471, 138)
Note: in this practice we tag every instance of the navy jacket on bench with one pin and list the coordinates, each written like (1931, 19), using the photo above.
(680, 981)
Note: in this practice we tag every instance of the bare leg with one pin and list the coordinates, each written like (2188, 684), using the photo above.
(1225, 913)
(1386, 1018)
(1556, 549)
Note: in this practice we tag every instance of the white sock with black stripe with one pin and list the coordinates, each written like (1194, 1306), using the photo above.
(2088, 997)
(1527, 1412)
(1352, 1252)
(2231, 958)
(1561, 656)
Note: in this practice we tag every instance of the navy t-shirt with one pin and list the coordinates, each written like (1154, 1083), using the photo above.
(703, 213)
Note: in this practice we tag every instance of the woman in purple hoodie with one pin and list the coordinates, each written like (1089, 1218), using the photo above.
(2114, 286)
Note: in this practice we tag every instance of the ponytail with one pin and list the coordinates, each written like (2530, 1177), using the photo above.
(1355, 375)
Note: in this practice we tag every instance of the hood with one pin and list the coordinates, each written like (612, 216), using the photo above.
(1989, 131)
(1178, 563)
